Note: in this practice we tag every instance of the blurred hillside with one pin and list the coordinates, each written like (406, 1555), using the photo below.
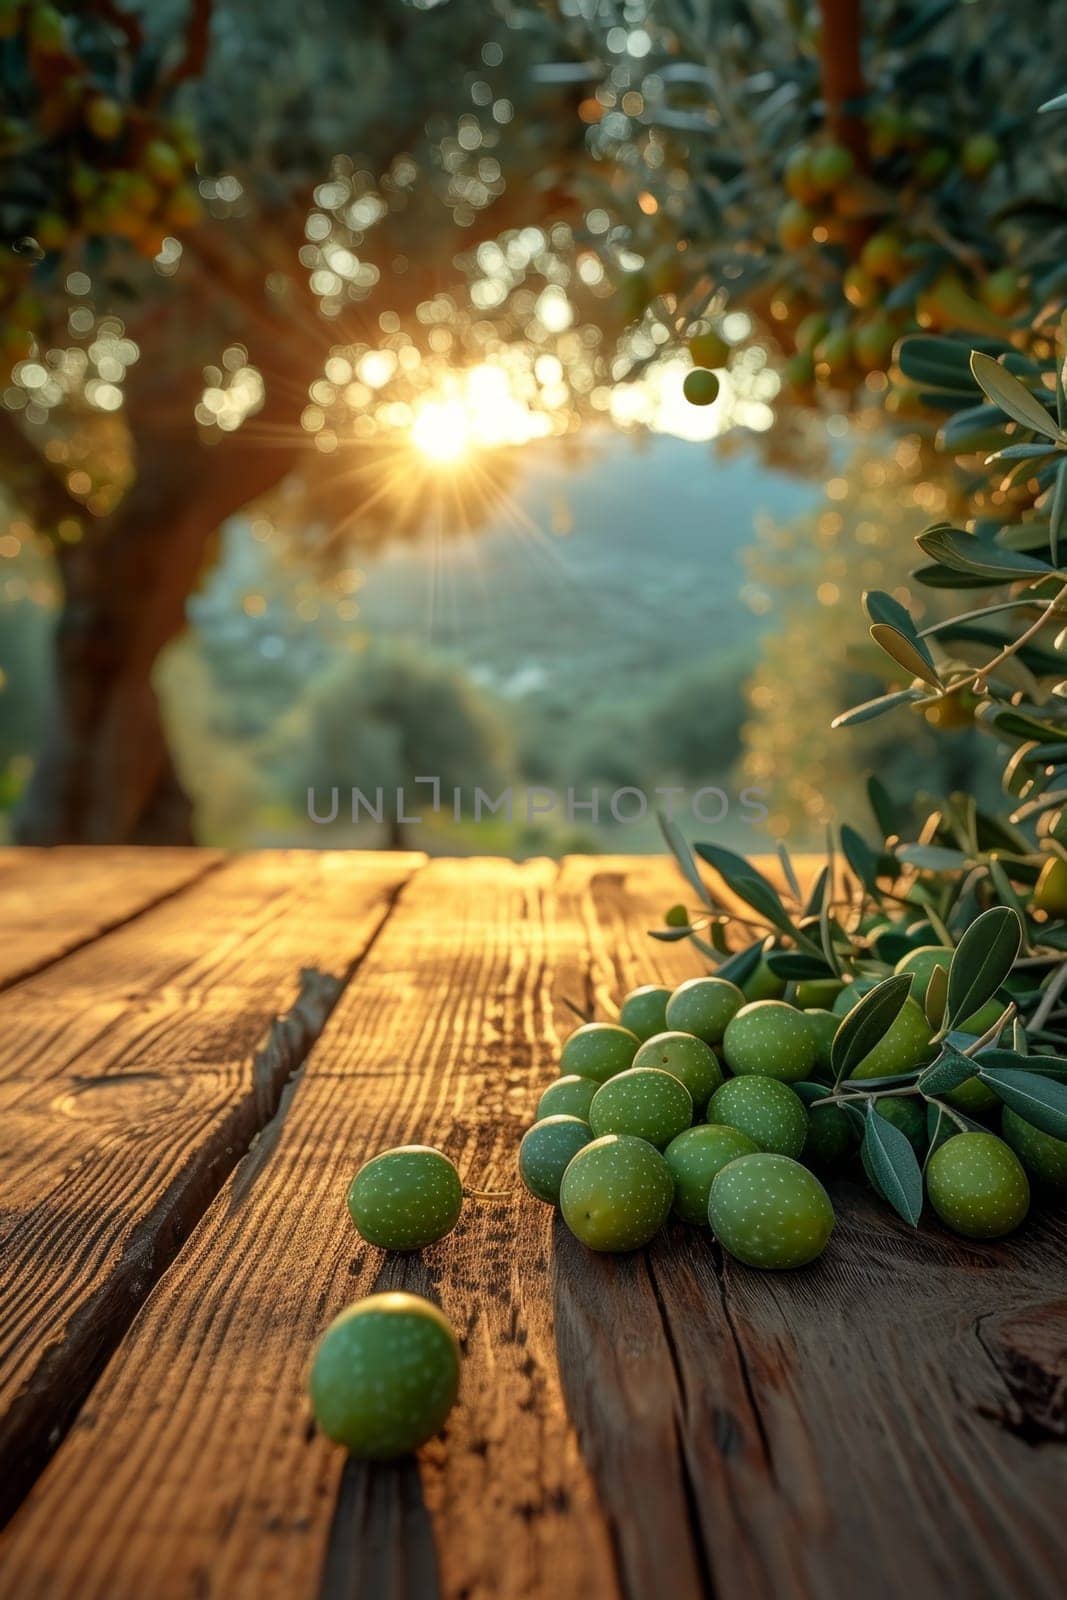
(597, 620)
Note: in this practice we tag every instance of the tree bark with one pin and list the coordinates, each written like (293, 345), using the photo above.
(104, 773)
(841, 71)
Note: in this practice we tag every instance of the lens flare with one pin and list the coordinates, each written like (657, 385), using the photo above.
(441, 430)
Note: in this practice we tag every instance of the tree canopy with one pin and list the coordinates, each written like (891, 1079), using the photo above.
(241, 254)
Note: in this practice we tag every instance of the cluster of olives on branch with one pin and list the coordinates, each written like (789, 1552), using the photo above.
(887, 288)
(116, 168)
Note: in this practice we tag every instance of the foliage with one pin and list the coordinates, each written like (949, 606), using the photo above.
(842, 180)
(991, 887)
(807, 577)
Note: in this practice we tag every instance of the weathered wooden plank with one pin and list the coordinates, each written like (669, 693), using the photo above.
(52, 901)
(889, 1420)
(135, 1084)
(191, 1469)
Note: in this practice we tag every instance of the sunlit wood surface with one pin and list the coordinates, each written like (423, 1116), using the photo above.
(197, 1054)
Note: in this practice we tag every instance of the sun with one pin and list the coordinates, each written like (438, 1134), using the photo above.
(442, 431)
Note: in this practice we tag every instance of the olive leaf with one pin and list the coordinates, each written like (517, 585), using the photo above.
(891, 945)
(982, 960)
(1039, 1100)
(748, 883)
(818, 893)
(893, 629)
(742, 964)
(875, 708)
(936, 363)
(795, 966)
(883, 807)
(892, 1166)
(1013, 1060)
(860, 857)
(786, 862)
(967, 553)
(950, 1069)
(1013, 397)
(678, 845)
(867, 1023)
(932, 857)
(904, 652)
(1058, 515)
(810, 1092)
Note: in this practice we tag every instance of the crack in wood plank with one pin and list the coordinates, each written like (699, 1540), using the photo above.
(30, 920)
(39, 1408)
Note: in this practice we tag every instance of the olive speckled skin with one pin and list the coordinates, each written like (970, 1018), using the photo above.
(406, 1198)
(769, 1211)
(688, 1058)
(703, 1006)
(644, 1010)
(616, 1193)
(977, 1186)
(824, 1025)
(385, 1375)
(694, 1157)
(644, 1102)
(768, 1111)
(546, 1152)
(598, 1050)
(567, 1097)
(1042, 1154)
(770, 1039)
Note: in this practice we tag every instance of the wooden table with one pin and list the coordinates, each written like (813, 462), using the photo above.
(197, 1054)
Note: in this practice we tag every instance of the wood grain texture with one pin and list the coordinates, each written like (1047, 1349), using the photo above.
(454, 1017)
(889, 1421)
(52, 901)
(143, 1066)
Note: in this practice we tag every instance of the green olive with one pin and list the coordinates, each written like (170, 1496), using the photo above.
(768, 1111)
(644, 1010)
(546, 1152)
(830, 1136)
(769, 1211)
(385, 1375)
(688, 1058)
(977, 1186)
(406, 1198)
(1042, 1154)
(770, 1039)
(598, 1050)
(644, 1102)
(703, 1007)
(567, 1097)
(616, 1193)
(701, 387)
(694, 1156)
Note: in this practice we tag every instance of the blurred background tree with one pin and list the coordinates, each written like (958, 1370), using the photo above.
(130, 439)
